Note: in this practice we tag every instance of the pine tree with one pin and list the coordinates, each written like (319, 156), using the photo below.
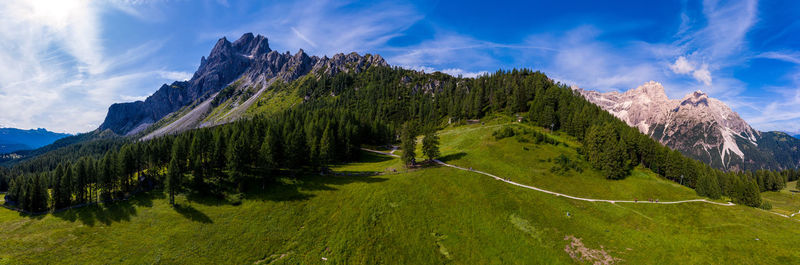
(197, 160)
(296, 148)
(269, 146)
(408, 142)
(107, 176)
(39, 197)
(430, 145)
(326, 148)
(237, 163)
(752, 194)
(707, 186)
(220, 150)
(174, 176)
(58, 193)
(66, 185)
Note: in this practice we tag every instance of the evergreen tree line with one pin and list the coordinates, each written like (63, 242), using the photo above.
(382, 104)
(208, 161)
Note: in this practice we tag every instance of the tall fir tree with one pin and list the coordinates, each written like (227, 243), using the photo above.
(174, 176)
(408, 142)
(430, 145)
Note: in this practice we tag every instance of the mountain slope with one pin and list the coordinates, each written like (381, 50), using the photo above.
(12, 139)
(699, 126)
(245, 67)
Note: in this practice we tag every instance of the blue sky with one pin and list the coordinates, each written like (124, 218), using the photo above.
(66, 61)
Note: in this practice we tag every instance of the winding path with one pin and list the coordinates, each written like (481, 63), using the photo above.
(551, 192)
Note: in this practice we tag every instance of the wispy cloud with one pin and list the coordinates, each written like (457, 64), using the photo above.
(58, 74)
(792, 57)
(175, 75)
(303, 37)
(328, 27)
(449, 71)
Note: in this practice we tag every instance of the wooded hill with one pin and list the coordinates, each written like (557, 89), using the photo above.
(337, 115)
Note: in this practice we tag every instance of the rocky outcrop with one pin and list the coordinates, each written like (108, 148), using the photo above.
(248, 60)
(226, 62)
(697, 125)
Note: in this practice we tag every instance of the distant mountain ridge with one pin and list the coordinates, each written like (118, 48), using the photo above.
(248, 61)
(700, 127)
(12, 139)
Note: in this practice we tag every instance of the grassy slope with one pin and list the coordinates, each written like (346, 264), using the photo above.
(274, 99)
(474, 146)
(784, 201)
(426, 216)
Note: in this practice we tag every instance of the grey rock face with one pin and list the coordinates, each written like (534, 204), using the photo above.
(248, 59)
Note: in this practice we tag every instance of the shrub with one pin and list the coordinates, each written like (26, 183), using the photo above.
(503, 133)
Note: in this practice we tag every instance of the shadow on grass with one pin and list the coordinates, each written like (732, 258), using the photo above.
(452, 157)
(207, 199)
(285, 189)
(294, 189)
(369, 157)
(32, 216)
(193, 214)
(110, 212)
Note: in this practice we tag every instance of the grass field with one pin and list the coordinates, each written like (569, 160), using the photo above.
(786, 201)
(527, 163)
(431, 215)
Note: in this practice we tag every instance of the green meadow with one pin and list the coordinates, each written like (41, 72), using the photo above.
(377, 212)
(785, 201)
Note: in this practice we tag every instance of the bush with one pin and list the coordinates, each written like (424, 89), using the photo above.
(235, 199)
(564, 165)
(766, 206)
(503, 133)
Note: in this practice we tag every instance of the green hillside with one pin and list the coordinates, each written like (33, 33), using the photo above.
(785, 201)
(530, 163)
(430, 215)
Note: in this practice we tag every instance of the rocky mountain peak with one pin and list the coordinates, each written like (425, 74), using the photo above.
(251, 46)
(222, 47)
(301, 56)
(653, 90)
(696, 123)
(695, 99)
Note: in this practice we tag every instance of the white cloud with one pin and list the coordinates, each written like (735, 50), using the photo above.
(682, 66)
(703, 75)
(174, 75)
(58, 74)
(461, 72)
